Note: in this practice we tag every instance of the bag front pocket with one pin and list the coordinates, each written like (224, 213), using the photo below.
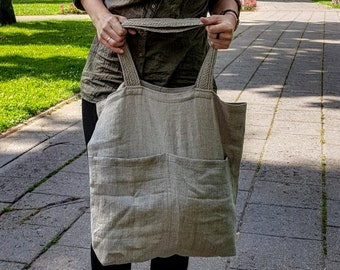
(158, 206)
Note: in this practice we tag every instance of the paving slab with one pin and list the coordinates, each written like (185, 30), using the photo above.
(333, 213)
(31, 166)
(241, 203)
(208, 263)
(58, 212)
(290, 175)
(245, 180)
(331, 265)
(268, 252)
(333, 245)
(68, 184)
(38, 130)
(11, 265)
(12, 188)
(286, 194)
(52, 17)
(3, 206)
(26, 242)
(79, 235)
(333, 187)
(282, 221)
(67, 257)
(297, 128)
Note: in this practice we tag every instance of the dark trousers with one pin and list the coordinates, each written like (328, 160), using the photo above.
(175, 262)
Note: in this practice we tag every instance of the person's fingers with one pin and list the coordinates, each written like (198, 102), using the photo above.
(111, 33)
(220, 31)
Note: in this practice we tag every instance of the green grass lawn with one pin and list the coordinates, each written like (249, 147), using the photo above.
(40, 65)
(327, 3)
(40, 7)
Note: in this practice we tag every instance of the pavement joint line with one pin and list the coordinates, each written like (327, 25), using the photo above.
(284, 206)
(68, 201)
(282, 236)
(291, 184)
(41, 181)
(334, 226)
(54, 241)
(323, 155)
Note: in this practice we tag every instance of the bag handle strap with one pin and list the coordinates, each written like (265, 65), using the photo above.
(205, 78)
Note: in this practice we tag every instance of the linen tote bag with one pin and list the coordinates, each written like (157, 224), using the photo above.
(164, 165)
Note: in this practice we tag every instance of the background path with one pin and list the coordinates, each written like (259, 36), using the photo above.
(284, 63)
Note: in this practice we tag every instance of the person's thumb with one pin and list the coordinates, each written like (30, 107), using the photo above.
(208, 20)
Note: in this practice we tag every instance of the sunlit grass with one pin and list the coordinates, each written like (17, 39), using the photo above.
(39, 7)
(40, 65)
(327, 3)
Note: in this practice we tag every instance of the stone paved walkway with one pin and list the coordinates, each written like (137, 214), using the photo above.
(284, 62)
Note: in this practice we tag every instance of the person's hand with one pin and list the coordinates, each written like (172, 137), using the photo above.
(111, 33)
(220, 30)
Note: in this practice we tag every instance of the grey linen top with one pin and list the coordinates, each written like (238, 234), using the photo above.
(169, 60)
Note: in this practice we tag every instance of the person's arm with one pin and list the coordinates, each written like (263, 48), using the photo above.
(222, 23)
(109, 30)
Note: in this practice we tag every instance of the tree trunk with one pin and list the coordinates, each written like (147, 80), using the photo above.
(336, 2)
(7, 15)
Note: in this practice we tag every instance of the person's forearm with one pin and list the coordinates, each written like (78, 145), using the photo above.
(222, 23)
(96, 9)
(230, 8)
(222, 5)
(110, 32)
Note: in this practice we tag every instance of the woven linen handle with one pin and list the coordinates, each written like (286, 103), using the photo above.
(205, 77)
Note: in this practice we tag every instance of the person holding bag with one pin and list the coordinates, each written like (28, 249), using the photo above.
(166, 60)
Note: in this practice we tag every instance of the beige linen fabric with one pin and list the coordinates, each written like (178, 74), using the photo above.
(164, 166)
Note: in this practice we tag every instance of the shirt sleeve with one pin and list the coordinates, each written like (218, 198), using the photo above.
(78, 4)
(211, 4)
